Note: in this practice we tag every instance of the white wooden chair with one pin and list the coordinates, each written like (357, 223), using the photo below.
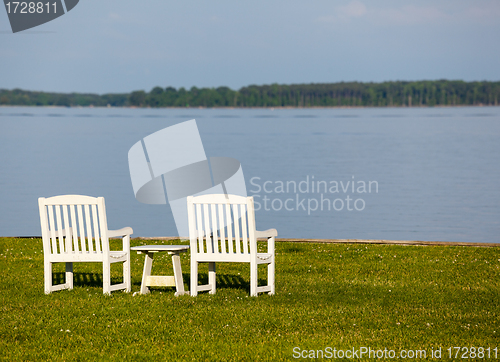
(75, 229)
(222, 229)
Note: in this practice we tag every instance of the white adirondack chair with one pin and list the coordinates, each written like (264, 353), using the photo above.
(75, 229)
(222, 229)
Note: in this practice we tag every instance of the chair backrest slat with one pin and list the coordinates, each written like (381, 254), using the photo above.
(221, 229)
(229, 224)
(74, 231)
(67, 226)
(97, 239)
(52, 229)
(199, 228)
(88, 228)
(208, 232)
(81, 229)
(215, 236)
(244, 228)
(60, 230)
(236, 224)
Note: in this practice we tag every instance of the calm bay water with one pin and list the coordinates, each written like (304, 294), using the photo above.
(434, 173)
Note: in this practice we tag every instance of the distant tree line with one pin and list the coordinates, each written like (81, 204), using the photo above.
(18, 97)
(387, 94)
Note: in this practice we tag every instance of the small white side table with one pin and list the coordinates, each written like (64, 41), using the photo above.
(149, 280)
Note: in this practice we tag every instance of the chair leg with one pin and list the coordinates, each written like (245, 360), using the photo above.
(69, 275)
(48, 277)
(270, 276)
(106, 276)
(126, 274)
(211, 277)
(194, 277)
(253, 278)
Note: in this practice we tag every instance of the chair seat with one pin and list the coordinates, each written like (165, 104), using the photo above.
(264, 257)
(117, 254)
(86, 256)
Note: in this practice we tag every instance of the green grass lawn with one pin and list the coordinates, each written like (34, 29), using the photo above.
(342, 296)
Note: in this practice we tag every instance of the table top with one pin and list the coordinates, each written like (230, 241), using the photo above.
(160, 248)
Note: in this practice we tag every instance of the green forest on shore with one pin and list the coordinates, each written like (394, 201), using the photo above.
(351, 94)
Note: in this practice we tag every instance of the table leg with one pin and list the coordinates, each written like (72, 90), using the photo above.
(148, 263)
(179, 282)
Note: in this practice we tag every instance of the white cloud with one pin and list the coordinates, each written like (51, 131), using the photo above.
(410, 14)
(484, 13)
(354, 9)
(414, 15)
(114, 16)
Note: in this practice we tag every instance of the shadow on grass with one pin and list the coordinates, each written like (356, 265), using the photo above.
(227, 281)
(224, 281)
(83, 279)
(292, 249)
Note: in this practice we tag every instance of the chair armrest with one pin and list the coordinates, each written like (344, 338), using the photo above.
(122, 232)
(266, 234)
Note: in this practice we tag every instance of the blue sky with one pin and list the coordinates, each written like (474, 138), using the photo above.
(124, 45)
